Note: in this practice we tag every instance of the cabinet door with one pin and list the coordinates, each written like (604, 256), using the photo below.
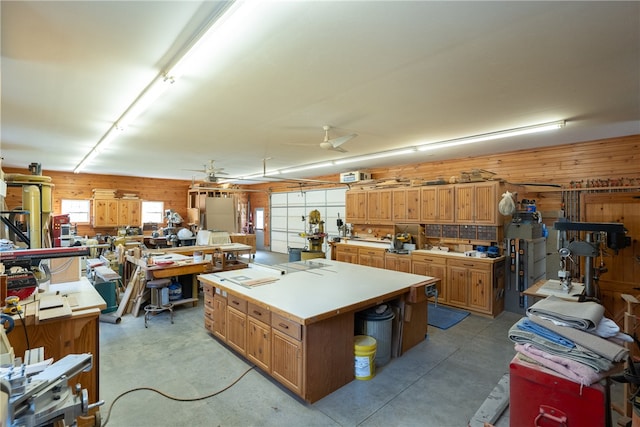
(446, 204)
(419, 267)
(286, 363)
(129, 213)
(404, 264)
(464, 203)
(356, 206)
(219, 317)
(486, 203)
(413, 205)
(439, 271)
(105, 213)
(379, 206)
(259, 343)
(428, 205)
(236, 330)
(480, 290)
(371, 257)
(399, 205)
(457, 285)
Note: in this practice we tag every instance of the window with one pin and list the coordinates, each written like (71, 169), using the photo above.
(152, 212)
(79, 210)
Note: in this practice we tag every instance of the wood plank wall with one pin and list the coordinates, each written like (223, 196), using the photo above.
(80, 186)
(611, 158)
(601, 159)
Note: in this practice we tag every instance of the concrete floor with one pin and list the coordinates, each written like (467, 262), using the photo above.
(440, 382)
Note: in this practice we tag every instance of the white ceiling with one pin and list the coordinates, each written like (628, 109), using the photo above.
(397, 73)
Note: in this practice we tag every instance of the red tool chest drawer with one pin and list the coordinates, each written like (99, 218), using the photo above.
(539, 397)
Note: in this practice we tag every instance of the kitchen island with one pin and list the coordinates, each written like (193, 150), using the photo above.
(296, 322)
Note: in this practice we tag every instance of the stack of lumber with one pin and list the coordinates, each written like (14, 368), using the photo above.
(134, 294)
(104, 193)
(130, 196)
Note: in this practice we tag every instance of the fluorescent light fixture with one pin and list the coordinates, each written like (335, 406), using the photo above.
(493, 135)
(307, 167)
(185, 59)
(375, 156)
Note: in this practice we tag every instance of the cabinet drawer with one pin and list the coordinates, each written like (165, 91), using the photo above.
(470, 264)
(208, 325)
(347, 249)
(260, 313)
(286, 326)
(208, 290)
(374, 252)
(237, 303)
(208, 313)
(430, 259)
(208, 301)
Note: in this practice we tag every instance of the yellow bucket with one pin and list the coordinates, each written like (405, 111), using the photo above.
(365, 356)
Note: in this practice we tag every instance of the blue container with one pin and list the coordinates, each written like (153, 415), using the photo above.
(295, 254)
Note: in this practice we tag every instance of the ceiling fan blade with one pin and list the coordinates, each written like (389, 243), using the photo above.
(339, 149)
(336, 142)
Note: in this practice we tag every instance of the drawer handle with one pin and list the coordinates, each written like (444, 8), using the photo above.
(282, 325)
(257, 313)
(235, 302)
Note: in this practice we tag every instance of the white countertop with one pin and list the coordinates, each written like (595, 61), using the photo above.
(308, 294)
(387, 245)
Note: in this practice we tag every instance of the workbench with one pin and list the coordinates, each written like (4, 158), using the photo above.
(73, 333)
(224, 256)
(182, 265)
(298, 326)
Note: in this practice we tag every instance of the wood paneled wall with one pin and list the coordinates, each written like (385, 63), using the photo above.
(80, 186)
(601, 159)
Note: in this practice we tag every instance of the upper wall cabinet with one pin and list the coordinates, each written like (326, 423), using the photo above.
(356, 206)
(477, 203)
(405, 204)
(437, 204)
(117, 213)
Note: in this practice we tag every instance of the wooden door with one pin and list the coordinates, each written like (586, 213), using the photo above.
(356, 206)
(623, 269)
(457, 286)
(236, 330)
(446, 204)
(219, 317)
(464, 203)
(480, 289)
(259, 343)
(486, 204)
(412, 205)
(286, 363)
(428, 207)
(105, 213)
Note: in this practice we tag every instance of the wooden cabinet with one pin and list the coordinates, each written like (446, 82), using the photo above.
(287, 352)
(405, 204)
(356, 206)
(477, 203)
(397, 262)
(259, 336)
(371, 257)
(237, 323)
(347, 253)
(433, 266)
(105, 213)
(470, 285)
(437, 204)
(117, 212)
(379, 207)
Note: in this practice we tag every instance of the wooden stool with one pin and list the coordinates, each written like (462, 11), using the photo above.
(156, 305)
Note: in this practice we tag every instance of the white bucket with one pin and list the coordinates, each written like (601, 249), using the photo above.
(197, 256)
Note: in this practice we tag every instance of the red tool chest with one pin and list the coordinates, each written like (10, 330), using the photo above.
(540, 397)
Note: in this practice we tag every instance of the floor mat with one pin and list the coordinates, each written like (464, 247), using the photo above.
(444, 317)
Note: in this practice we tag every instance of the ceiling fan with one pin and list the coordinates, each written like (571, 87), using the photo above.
(210, 172)
(335, 143)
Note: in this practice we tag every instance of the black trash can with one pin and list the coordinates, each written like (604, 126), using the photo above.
(295, 254)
